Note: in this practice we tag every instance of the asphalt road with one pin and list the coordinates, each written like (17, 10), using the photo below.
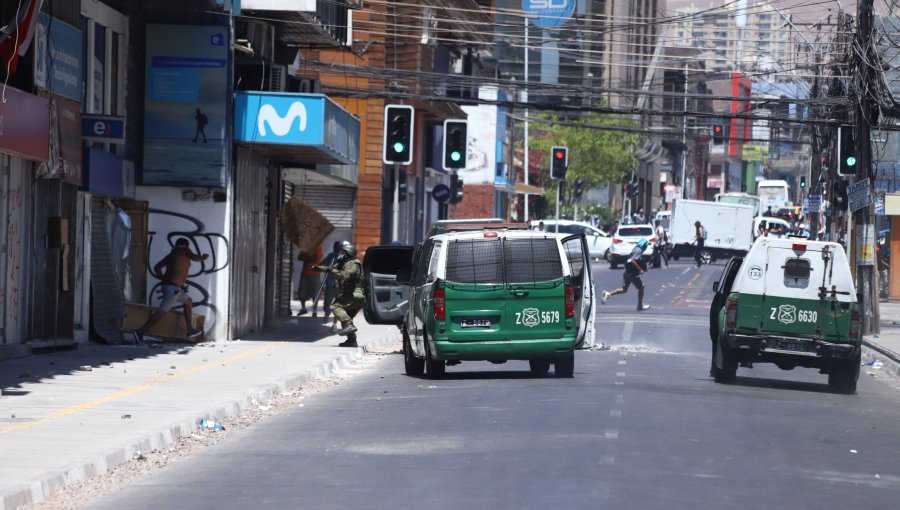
(641, 426)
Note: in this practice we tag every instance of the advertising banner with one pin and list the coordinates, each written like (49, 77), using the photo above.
(25, 125)
(185, 106)
(57, 57)
(65, 142)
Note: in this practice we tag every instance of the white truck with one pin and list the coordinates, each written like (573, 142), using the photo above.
(729, 229)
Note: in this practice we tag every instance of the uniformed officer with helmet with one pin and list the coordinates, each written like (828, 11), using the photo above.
(350, 300)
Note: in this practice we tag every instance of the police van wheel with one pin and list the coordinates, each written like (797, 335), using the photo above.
(539, 366)
(724, 363)
(565, 366)
(844, 375)
(434, 369)
(414, 366)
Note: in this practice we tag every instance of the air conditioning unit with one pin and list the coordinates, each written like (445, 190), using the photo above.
(277, 78)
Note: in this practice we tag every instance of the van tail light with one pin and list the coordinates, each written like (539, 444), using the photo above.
(652, 239)
(617, 240)
(731, 312)
(440, 304)
(855, 324)
(570, 301)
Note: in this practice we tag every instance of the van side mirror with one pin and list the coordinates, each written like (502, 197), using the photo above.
(404, 276)
(716, 287)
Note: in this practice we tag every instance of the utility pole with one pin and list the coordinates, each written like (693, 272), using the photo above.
(864, 249)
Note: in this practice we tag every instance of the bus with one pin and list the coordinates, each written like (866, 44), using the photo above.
(737, 197)
(773, 195)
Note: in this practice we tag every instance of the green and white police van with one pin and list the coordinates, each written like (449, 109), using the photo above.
(790, 302)
(491, 293)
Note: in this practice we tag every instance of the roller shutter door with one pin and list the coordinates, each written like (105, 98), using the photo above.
(333, 202)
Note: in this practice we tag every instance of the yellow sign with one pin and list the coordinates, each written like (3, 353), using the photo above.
(755, 153)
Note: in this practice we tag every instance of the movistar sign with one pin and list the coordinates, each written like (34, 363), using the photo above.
(549, 13)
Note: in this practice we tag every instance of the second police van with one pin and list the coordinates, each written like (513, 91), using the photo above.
(485, 293)
(790, 302)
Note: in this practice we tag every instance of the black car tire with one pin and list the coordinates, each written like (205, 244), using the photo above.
(539, 366)
(414, 366)
(845, 374)
(565, 366)
(725, 357)
(434, 369)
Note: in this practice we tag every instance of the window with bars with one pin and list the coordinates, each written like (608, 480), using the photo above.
(796, 273)
(497, 261)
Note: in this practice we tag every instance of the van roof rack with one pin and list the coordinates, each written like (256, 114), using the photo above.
(468, 226)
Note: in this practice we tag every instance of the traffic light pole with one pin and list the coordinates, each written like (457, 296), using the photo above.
(395, 217)
(558, 191)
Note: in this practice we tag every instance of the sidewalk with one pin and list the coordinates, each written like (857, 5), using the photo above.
(885, 346)
(69, 415)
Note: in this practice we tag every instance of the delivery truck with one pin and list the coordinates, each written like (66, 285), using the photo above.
(729, 229)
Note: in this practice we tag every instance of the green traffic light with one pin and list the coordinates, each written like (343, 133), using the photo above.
(398, 147)
(455, 156)
(851, 160)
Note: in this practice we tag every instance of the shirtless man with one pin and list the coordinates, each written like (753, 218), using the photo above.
(174, 286)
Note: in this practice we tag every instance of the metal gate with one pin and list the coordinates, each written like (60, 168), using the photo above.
(285, 268)
(248, 269)
(15, 190)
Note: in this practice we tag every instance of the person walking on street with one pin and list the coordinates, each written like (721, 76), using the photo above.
(351, 298)
(699, 241)
(661, 241)
(202, 121)
(309, 279)
(331, 290)
(632, 276)
(177, 265)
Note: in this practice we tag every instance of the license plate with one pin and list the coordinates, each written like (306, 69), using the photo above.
(787, 345)
(475, 323)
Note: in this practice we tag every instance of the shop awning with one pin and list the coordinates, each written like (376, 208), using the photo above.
(296, 128)
(528, 189)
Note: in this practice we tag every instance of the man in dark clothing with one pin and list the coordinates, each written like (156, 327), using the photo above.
(331, 290)
(699, 242)
(351, 298)
(202, 121)
(632, 276)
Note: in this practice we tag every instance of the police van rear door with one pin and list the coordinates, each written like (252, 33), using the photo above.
(535, 286)
(386, 298)
(791, 304)
(578, 255)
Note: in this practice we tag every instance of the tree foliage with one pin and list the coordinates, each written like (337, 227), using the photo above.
(595, 155)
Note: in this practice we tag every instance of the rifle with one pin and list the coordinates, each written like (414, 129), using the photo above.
(324, 282)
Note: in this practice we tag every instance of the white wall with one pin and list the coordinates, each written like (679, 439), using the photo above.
(207, 225)
(482, 140)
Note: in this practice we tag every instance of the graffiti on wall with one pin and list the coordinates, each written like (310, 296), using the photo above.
(202, 243)
(9, 293)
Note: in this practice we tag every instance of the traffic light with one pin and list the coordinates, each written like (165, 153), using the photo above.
(631, 190)
(398, 134)
(456, 189)
(455, 144)
(847, 151)
(559, 162)
(802, 181)
(577, 189)
(718, 134)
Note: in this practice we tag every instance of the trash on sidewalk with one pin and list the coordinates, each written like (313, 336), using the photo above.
(853, 451)
(126, 416)
(138, 455)
(869, 362)
(86, 368)
(211, 425)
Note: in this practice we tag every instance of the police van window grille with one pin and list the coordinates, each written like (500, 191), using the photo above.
(796, 273)
(532, 260)
(475, 261)
(575, 256)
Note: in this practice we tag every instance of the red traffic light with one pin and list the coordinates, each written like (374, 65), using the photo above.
(717, 129)
(559, 154)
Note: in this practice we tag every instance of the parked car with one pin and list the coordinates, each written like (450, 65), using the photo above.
(776, 227)
(598, 240)
(792, 303)
(492, 295)
(624, 241)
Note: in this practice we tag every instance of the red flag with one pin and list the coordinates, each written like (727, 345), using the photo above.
(15, 42)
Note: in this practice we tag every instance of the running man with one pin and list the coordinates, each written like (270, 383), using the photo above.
(632, 276)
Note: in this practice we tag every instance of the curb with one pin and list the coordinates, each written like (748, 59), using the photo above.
(890, 359)
(40, 488)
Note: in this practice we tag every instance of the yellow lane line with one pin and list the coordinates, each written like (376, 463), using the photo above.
(138, 388)
(678, 297)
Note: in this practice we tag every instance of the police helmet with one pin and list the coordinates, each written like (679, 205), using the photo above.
(349, 249)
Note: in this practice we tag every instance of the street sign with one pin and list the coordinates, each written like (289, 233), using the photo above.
(814, 203)
(440, 192)
(858, 195)
(672, 192)
(549, 13)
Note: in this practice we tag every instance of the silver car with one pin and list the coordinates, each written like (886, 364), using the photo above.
(598, 241)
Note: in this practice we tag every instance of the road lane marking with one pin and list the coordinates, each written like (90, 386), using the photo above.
(606, 460)
(620, 383)
(138, 388)
(611, 434)
(685, 271)
(627, 331)
(616, 413)
(620, 374)
(620, 398)
(623, 361)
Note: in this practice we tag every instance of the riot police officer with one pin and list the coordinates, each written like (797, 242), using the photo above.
(350, 299)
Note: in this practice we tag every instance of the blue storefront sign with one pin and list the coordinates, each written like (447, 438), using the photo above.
(103, 128)
(57, 57)
(108, 174)
(310, 120)
(549, 13)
